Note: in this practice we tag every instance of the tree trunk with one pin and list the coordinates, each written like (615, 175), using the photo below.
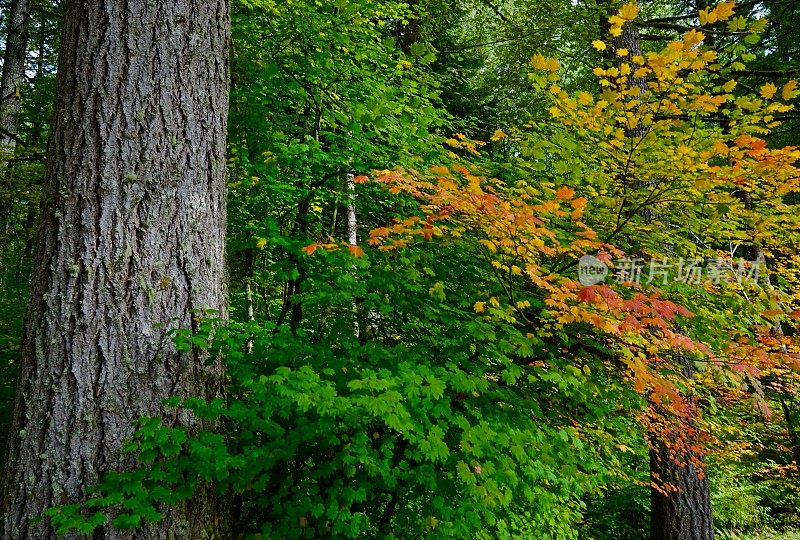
(13, 73)
(10, 98)
(130, 246)
(681, 511)
(680, 500)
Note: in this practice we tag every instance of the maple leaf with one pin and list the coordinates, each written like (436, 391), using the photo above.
(693, 38)
(588, 295)
(789, 90)
(585, 98)
(310, 249)
(724, 10)
(553, 65)
(729, 86)
(706, 17)
(539, 62)
(599, 45)
(768, 90)
(380, 231)
(629, 11)
(355, 250)
(498, 135)
(565, 193)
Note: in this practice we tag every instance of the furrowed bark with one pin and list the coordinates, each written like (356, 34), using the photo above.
(13, 73)
(130, 246)
(680, 500)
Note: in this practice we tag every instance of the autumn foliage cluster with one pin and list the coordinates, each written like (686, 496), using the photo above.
(449, 374)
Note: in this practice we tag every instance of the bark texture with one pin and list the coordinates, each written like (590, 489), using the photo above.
(13, 72)
(680, 500)
(681, 506)
(130, 246)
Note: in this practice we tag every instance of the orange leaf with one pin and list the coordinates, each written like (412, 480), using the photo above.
(565, 193)
(355, 250)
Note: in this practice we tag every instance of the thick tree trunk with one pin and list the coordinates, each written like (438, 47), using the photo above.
(130, 246)
(680, 504)
(13, 73)
(680, 500)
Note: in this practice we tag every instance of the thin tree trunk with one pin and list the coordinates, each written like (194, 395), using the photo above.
(130, 246)
(13, 73)
(352, 222)
(10, 98)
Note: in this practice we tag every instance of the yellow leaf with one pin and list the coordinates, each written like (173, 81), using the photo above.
(615, 31)
(616, 20)
(498, 135)
(724, 10)
(789, 90)
(622, 52)
(489, 244)
(539, 62)
(768, 90)
(585, 98)
(555, 89)
(729, 86)
(480, 307)
(629, 11)
(692, 38)
(599, 45)
(261, 244)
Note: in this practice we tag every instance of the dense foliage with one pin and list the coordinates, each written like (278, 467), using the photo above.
(411, 348)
